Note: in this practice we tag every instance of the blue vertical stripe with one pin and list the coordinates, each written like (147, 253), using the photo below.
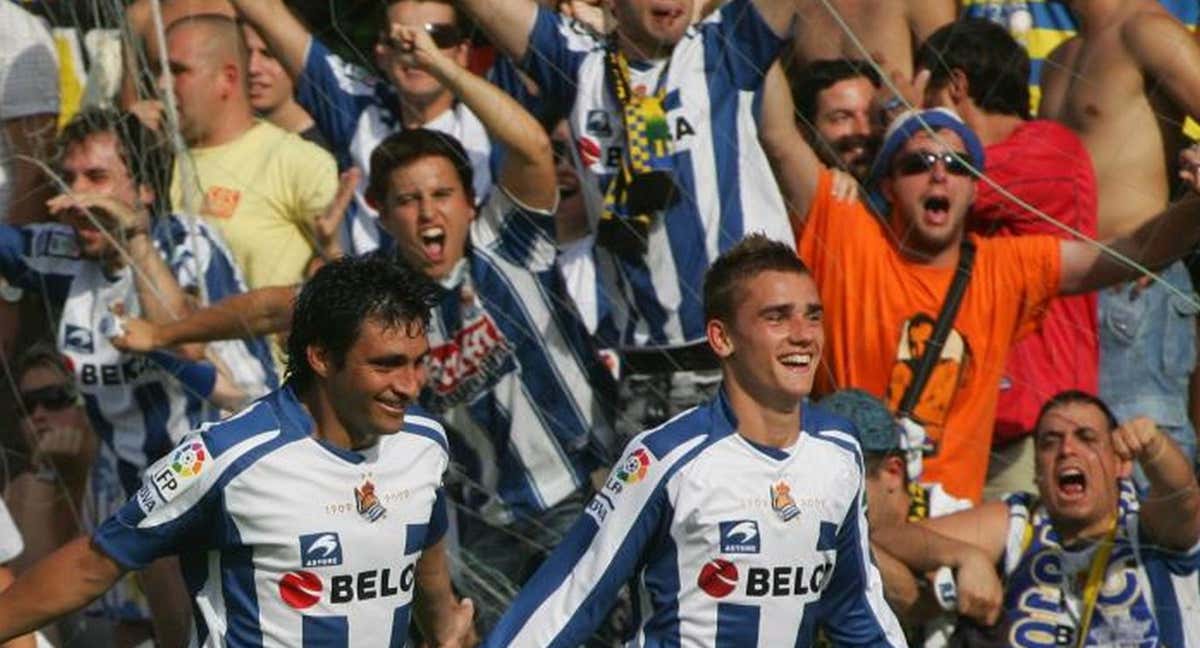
(325, 632)
(155, 406)
(240, 594)
(399, 636)
(737, 625)
(661, 580)
(1166, 604)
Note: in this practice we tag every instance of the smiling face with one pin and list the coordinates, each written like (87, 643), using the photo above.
(381, 375)
(652, 27)
(270, 85)
(428, 212)
(774, 343)
(929, 206)
(1077, 467)
(843, 122)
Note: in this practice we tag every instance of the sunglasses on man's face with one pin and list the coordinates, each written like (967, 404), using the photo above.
(54, 398)
(444, 35)
(956, 163)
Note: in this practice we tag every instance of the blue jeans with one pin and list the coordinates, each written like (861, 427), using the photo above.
(1147, 354)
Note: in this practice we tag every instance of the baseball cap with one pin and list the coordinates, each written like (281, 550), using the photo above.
(877, 431)
(902, 128)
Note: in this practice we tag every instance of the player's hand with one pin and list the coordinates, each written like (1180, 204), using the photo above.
(1139, 440)
(980, 593)
(845, 187)
(414, 48)
(139, 336)
(108, 210)
(1189, 166)
(590, 13)
(326, 225)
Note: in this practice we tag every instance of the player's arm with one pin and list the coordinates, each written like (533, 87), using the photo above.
(63, 582)
(1168, 53)
(1056, 79)
(280, 29)
(1170, 512)
(527, 172)
(507, 23)
(444, 619)
(24, 641)
(249, 314)
(796, 165)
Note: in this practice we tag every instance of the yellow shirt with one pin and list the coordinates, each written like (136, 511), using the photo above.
(262, 191)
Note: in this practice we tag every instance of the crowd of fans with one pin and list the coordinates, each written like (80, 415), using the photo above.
(997, 200)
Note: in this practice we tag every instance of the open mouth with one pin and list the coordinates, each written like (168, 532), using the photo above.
(391, 407)
(433, 243)
(1072, 482)
(798, 361)
(937, 209)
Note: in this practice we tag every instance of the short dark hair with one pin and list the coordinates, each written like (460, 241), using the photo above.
(42, 354)
(1076, 397)
(333, 305)
(753, 255)
(810, 80)
(407, 146)
(995, 64)
(147, 156)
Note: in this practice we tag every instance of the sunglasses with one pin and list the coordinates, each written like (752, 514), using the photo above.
(444, 35)
(956, 163)
(54, 398)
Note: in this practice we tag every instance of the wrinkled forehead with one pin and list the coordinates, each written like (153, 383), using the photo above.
(942, 139)
(420, 12)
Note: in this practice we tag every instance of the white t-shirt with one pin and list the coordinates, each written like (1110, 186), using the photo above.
(11, 544)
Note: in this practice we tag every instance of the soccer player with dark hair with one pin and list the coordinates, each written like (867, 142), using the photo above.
(740, 522)
(316, 515)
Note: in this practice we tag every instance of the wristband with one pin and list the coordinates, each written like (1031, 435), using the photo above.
(944, 589)
(893, 104)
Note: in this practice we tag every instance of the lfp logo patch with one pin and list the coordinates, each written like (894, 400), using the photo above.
(740, 537)
(189, 459)
(635, 467)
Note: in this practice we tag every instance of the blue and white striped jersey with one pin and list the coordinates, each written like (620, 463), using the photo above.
(1149, 596)
(513, 371)
(283, 538)
(356, 111)
(140, 405)
(713, 82)
(730, 544)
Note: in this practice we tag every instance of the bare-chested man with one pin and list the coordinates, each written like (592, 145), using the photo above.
(1125, 84)
(890, 31)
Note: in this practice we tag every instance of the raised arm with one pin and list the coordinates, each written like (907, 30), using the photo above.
(1170, 512)
(1169, 54)
(506, 22)
(44, 594)
(528, 168)
(250, 314)
(927, 16)
(280, 29)
(778, 14)
(796, 166)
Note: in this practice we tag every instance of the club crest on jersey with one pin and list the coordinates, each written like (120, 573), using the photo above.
(635, 467)
(740, 537)
(367, 501)
(782, 502)
(320, 550)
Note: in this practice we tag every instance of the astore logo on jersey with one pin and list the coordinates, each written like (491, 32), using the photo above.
(320, 550)
(740, 537)
(718, 578)
(300, 589)
(78, 339)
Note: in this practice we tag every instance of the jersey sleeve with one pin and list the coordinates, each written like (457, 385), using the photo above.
(522, 235)
(173, 510)
(567, 599)
(334, 92)
(857, 614)
(557, 48)
(43, 258)
(747, 44)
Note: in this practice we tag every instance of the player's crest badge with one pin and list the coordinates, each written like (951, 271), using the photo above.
(368, 502)
(782, 502)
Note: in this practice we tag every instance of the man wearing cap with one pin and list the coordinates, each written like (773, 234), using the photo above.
(963, 576)
(884, 284)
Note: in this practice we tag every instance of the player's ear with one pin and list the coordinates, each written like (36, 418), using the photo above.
(319, 359)
(718, 338)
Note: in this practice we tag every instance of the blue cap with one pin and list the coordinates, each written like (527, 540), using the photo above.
(902, 129)
(877, 429)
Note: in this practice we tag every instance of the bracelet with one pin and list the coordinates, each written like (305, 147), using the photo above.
(893, 104)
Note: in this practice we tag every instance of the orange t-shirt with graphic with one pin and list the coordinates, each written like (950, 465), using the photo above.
(879, 314)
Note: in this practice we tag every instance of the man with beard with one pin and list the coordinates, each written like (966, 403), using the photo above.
(833, 100)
